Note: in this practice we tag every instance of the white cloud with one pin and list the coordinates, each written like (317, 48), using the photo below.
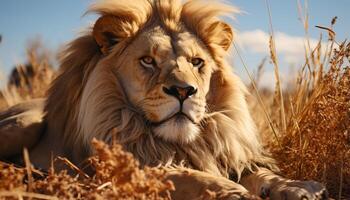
(268, 80)
(290, 48)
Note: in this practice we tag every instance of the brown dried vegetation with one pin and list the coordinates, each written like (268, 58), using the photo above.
(29, 80)
(315, 144)
(116, 176)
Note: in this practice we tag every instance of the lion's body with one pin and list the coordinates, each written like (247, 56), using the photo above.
(105, 90)
(87, 101)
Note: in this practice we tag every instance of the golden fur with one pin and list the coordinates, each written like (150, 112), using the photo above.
(89, 98)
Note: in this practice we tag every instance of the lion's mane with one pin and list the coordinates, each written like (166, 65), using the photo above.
(77, 111)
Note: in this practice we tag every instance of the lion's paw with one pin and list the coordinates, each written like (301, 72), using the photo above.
(235, 196)
(295, 190)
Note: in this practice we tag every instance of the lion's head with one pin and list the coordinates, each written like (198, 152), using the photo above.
(152, 74)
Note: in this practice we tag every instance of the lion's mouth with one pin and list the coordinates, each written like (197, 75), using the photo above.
(178, 117)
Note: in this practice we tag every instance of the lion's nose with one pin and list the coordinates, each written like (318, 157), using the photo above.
(180, 93)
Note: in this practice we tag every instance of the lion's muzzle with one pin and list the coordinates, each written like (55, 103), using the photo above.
(181, 93)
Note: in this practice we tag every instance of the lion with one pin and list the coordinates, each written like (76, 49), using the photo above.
(153, 75)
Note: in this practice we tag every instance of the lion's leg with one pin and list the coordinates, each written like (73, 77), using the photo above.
(20, 126)
(265, 183)
(194, 184)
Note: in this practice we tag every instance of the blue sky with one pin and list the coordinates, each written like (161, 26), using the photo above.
(58, 22)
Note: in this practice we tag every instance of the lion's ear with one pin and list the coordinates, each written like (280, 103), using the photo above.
(108, 31)
(220, 34)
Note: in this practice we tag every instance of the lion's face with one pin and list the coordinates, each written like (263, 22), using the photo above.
(166, 78)
(162, 63)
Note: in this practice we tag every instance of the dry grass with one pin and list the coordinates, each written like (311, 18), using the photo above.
(313, 131)
(29, 80)
(316, 144)
(116, 176)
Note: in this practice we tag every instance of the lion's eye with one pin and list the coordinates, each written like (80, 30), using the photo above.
(147, 61)
(197, 62)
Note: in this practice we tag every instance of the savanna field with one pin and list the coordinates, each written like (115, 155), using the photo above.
(305, 127)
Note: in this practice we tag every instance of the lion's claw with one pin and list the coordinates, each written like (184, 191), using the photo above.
(296, 190)
(246, 196)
